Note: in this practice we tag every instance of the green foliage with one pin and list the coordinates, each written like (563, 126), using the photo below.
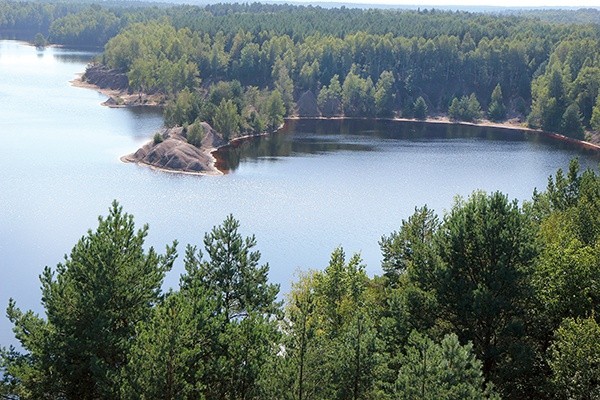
(384, 94)
(195, 134)
(309, 75)
(167, 357)
(358, 96)
(575, 359)
(420, 109)
(467, 275)
(440, 371)
(226, 90)
(158, 138)
(332, 349)
(409, 262)
(93, 301)
(284, 85)
(244, 302)
(465, 109)
(226, 119)
(275, 110)
(566, 276)
(410, 250)
(233, 272)
(486, 253)
(595, 121)
(549, 101)
(496, 109)
(585, 90)
(93, 26)
(215, 337)
(156, 57)
(185, 108)
(571, 122)
(39, 41)
(330, 98)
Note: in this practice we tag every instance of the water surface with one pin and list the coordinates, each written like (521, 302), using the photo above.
(303, 192)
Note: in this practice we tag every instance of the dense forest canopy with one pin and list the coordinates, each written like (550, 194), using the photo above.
(491, 300)
(542, 67)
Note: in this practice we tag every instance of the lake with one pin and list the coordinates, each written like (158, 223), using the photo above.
(314, 186)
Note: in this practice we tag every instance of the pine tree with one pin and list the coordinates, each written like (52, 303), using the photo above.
(473, 108)
(93, 302)
(284, 84)
(555, 104)
(465, 108)
(485, 249)
(496, 110)
(420, 108)
(226, 120)
(440, 371)
(455, 111)
(330, 98)
(245, 305)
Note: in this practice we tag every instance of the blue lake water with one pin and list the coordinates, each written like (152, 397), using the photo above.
(303, 192)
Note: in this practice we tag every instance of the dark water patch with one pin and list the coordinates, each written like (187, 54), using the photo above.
(319, 136)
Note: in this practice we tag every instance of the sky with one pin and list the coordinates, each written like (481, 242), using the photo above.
(487, 3)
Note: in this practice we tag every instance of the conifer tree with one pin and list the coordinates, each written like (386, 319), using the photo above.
(420, 108)
(447, 370)
(496, 110)
(93, 302)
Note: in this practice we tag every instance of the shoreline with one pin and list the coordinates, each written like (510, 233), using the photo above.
(444, 120)
(117, 98)
(132, 100)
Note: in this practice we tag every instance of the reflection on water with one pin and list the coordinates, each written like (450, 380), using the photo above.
(316, 136)
(72, 57)
(283, 144)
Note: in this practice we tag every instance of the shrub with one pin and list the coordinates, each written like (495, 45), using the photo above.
(195, 134)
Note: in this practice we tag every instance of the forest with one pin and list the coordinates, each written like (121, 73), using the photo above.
(252, 64)
(490, 300)
(493, 299)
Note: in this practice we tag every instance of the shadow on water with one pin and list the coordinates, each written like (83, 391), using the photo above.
(317, 136)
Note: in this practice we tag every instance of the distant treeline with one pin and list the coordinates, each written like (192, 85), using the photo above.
(492, 300)
(353, 62)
